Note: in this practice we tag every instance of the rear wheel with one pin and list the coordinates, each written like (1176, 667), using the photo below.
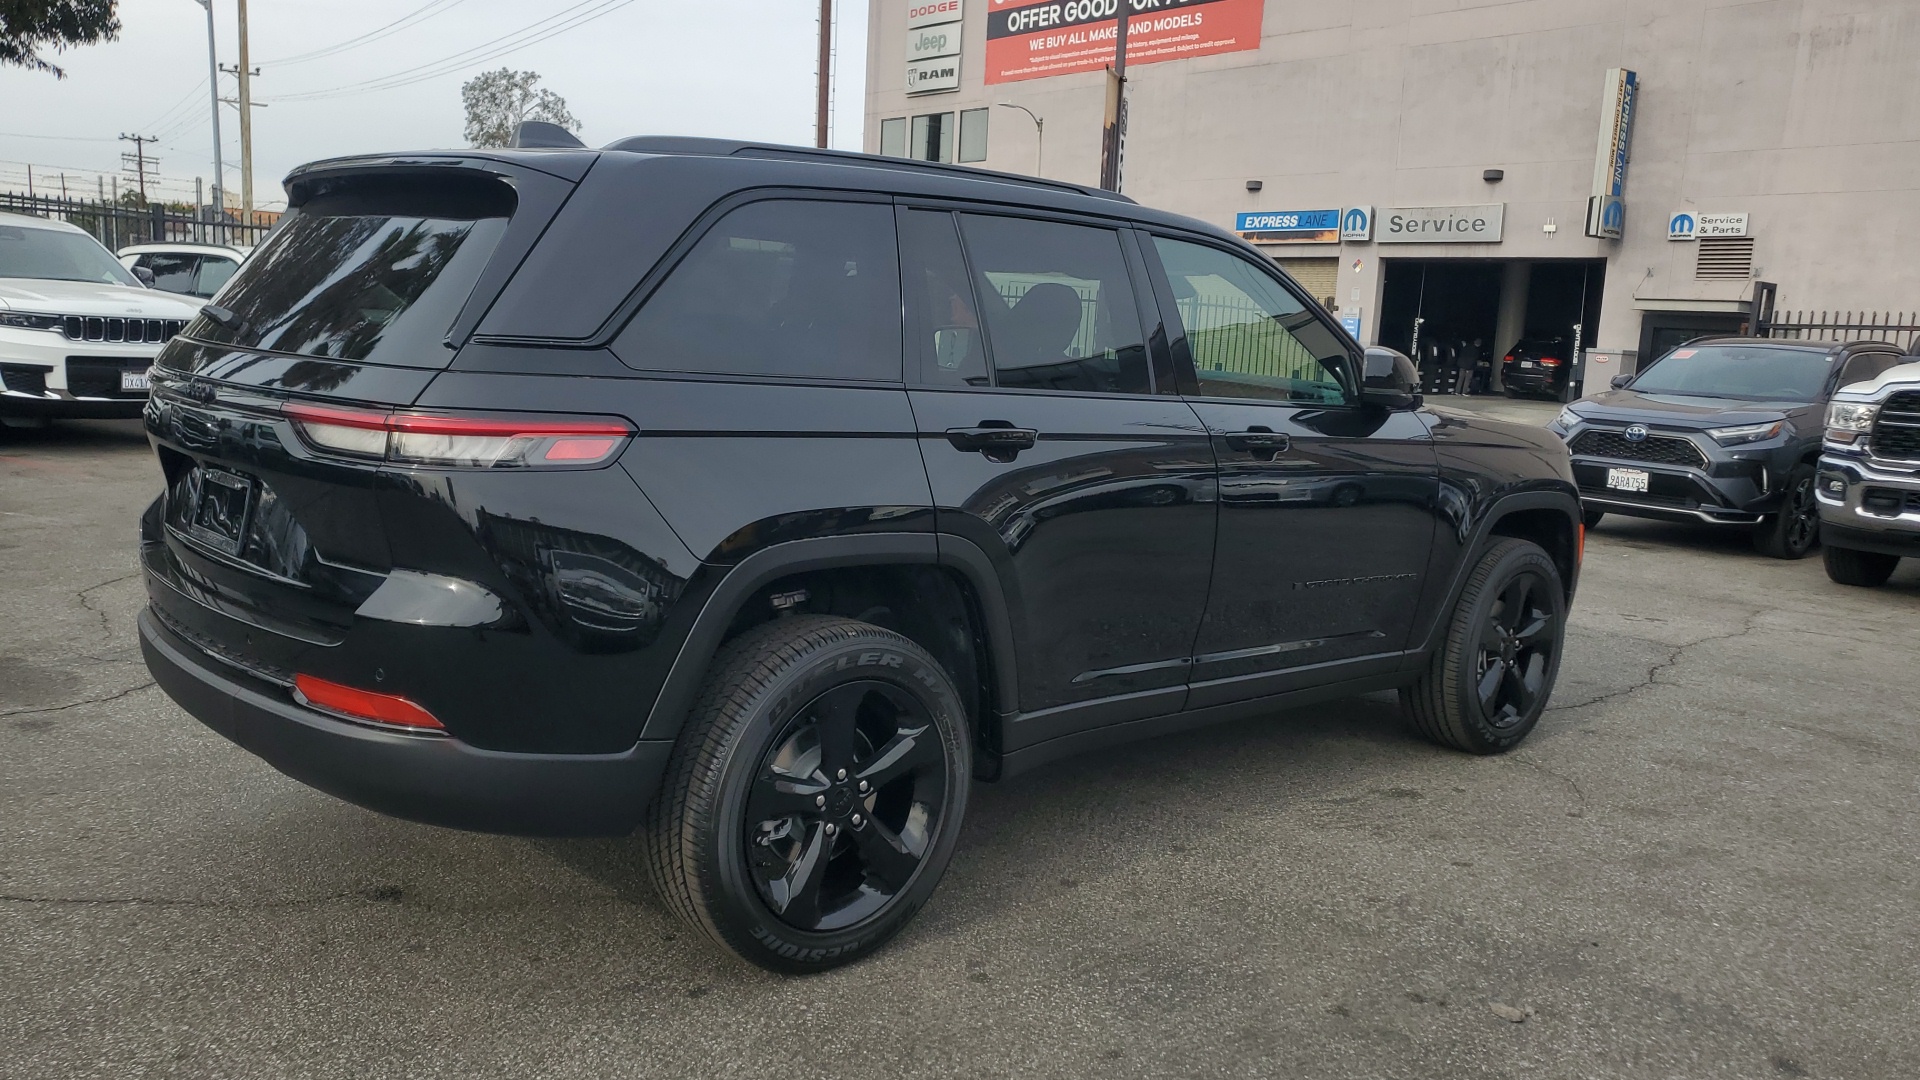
(1863, 568)
(1487, 684)
(815, 795)
(1791, 533)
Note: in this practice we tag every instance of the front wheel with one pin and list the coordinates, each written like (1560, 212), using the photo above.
(815, 795)
(1867, 569)
(1487, 684)
(1791, 533)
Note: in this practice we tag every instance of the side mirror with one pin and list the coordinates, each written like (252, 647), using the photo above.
(952, 345)
(1619, 382)
(145, 275)
(1389, 380)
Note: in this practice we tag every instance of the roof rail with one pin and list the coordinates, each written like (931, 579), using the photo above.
(683, 144)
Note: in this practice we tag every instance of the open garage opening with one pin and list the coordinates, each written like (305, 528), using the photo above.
(1459, 317)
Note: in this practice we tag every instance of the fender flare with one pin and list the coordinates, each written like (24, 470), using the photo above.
(1566, 501)
(749, 575)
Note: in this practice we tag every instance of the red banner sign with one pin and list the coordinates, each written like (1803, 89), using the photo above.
(1032, 39)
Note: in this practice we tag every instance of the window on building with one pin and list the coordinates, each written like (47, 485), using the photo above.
(1059, 305)
(893, 137)
(973, 135)
(779, 287)
(932, 137)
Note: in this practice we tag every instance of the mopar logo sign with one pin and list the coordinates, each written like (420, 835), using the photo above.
(1606, 216)
(1637, 433)
(1680, 226)
(1357, 223)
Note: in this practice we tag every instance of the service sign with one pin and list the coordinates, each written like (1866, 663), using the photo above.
(1721, 225)
(1289, 226)
(1440, 224)
(1033, 39)
(928, 12)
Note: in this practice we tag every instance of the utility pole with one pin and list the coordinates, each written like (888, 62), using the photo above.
(139, 161)
(824, 99)
(246, 120)
(1114, 137)
(213, 88)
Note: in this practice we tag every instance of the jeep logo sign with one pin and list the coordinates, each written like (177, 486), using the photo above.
(933, 41)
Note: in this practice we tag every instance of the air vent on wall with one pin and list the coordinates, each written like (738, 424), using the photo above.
(1722, 257)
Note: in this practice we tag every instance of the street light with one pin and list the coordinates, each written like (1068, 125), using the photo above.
(1039, 135)
(213, 89)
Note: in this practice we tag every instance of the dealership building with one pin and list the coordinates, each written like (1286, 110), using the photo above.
(1624, 173)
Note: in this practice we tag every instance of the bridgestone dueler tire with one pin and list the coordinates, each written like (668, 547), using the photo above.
(696, 851)
(1866, 569)
(1442, 703)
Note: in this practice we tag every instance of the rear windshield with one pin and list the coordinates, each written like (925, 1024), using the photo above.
(1751, 372)
(375, 272)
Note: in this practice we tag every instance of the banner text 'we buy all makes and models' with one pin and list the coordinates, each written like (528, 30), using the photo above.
(1032, 39)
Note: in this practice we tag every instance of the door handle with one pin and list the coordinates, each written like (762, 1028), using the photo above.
(1260, 440)
(999, 440)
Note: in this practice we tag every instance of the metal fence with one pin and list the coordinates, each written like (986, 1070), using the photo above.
(1901, 328)
(118, 225)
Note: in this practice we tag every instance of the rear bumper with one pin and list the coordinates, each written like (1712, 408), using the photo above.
(432, 779)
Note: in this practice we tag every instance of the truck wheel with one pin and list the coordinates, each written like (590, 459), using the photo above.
(1792, 532)
(1487, 684)
(1864, 568)
(814, 797)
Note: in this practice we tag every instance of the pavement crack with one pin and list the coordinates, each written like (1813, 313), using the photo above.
(106, 620)
(115, 696)
(1674, 655)
(1579, 795)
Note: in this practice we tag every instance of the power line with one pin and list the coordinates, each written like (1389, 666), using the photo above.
(529, 35)
(55, 138)
(416, 16)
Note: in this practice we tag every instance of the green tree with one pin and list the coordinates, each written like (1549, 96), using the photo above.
(499, 100)
(28, 25)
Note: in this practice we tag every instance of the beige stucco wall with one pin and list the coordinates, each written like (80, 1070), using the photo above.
(1803, 113)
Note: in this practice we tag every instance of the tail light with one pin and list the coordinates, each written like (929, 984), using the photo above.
(389, 709)
(1548, 361)
(460, 442)
(1508, 359)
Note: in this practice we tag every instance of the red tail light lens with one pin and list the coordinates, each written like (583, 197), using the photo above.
(1508, 359)
(1548, 361)
(461, 442)
(390, 709)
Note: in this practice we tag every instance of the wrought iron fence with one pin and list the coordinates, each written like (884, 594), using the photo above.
(1900, 328)
(117, 226)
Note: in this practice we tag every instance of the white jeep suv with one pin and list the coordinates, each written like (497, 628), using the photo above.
(77, 330)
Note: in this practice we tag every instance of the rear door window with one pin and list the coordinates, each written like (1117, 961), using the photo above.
(172, 272)
(1059, 305)
(786, 287)
(375, 272)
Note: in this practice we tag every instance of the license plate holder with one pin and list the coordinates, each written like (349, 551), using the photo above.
(1627, 480)
(135, 380)
(222, 506)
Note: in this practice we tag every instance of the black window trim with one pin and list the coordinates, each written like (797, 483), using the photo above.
(1118, 225)
(1186, 373)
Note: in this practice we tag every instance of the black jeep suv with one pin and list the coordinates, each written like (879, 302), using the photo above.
(763, 498)
(1721, 430)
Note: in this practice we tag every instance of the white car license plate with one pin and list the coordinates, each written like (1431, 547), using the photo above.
(1528, 363)
(1627, 479)
(134, 380)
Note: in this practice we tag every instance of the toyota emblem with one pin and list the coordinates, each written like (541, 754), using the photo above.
(1637, 433)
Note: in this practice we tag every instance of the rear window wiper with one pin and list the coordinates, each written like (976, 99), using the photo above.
(225, 318)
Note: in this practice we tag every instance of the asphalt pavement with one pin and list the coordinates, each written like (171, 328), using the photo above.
(1701, 865)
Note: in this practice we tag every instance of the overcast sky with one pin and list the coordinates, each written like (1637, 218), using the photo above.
(741, 68)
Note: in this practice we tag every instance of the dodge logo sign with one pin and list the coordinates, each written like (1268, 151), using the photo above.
(1637, 433)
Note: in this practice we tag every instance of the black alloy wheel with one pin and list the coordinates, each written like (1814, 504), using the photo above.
(815, 794)
(846, 804)
(1792, 533)
(1519, 647)
(1487, 684)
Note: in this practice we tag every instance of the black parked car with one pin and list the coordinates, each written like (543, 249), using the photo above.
(1537, 365)
(1722, 430)
(572, 492)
